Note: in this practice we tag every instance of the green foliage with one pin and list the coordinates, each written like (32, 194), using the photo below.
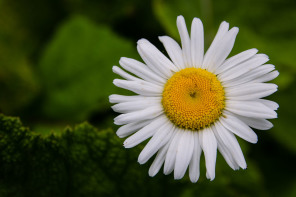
(87, 162)
(79, 162)
(76, 69)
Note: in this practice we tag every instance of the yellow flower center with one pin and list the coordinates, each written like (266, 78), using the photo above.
(193, 98)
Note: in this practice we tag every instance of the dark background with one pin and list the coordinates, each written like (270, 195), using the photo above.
(56, 59)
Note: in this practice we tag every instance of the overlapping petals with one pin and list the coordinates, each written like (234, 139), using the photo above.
(243, 77)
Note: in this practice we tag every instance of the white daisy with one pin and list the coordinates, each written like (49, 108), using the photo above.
(193, 102)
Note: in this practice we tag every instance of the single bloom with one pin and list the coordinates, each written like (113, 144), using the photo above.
(193, 102)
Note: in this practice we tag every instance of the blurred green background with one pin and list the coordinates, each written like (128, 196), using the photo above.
(56, 59)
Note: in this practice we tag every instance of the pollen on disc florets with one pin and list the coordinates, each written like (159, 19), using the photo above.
(193, 98)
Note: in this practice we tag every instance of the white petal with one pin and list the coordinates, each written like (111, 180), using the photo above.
(174, 51)
(159, 159)
(185, 40)
(130, 128)
(223, 29)
(184, 154)
(140, 87)
(126, 107)
(230, 143)
(155, 59)
(266, 67)
(227, 156)
(197, 42)
(141, 70)
(250, 76)
(237, 59)
(208, 144)
(144, 133)
(171, 154)
(250, 91)
(159, 139)
(124, 74)
(222, 50)
(194, 163)
(250, 109)
(271, 104)
(244, 67)
(256, 123)
(115, 98)
(136, 116)
(150, 64)
(267, 77)
(238, 127)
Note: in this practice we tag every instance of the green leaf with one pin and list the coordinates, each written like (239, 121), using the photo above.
(77, 69)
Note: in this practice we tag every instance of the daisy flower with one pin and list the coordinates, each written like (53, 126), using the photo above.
(193, 102)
